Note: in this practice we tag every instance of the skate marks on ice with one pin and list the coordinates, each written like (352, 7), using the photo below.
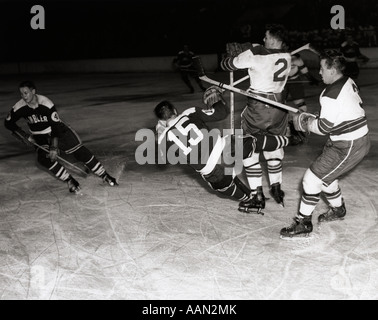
(164, 234)
(340, 258)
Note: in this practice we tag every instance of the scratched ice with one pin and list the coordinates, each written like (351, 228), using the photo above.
(163, 234)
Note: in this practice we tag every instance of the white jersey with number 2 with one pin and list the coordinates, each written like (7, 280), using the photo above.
(268, 68)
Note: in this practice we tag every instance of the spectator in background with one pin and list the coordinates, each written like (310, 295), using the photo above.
(184, 64)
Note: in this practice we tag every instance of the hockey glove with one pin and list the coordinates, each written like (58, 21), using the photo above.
(212, 95)
(301, 121)
(233, 49)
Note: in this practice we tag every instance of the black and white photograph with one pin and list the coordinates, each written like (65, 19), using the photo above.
(188, 155)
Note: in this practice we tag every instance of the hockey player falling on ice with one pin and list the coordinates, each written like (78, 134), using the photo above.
(188, 132)
(343, 119)
(268, 67)
(49, 132)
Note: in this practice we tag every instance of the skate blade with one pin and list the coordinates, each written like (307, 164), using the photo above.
(77, 192)
(254, 211)
(302, 236)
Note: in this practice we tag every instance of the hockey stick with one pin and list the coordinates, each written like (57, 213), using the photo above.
(85, 172)
(232, 104)
(203, 77)
(307, 46)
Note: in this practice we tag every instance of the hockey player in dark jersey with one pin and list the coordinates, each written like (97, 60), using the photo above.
(351, 51)
(48, 131)
(343, 119)
(189, 132)
(184, 64)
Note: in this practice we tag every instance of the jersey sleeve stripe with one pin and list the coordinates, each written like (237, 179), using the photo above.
(227, 64)
(325, 126)
(349, 126)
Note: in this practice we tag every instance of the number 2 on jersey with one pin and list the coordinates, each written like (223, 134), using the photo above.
(279, 74)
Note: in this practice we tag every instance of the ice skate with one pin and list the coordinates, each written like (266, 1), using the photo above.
(276, 192)
(254, 205)
(333, 213)
(73, 185)
(301, 227)
(109, 179)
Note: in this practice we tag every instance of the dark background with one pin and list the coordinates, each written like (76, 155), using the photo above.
(119, 29)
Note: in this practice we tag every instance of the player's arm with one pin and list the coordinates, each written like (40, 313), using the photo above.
(242, 61)
(322, 125)
(10, 123)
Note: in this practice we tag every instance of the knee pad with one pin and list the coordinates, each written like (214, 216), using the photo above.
(311, 183)
(252, 161)
(331, 188)
(274, 155)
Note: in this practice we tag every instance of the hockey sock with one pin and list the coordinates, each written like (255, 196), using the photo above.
(274, 170)
(334, 199)
(59, 171)
(54, 167)
(308, 203)
(270, 143)
(96, 166)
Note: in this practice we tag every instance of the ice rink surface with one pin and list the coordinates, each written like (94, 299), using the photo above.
(162, 233)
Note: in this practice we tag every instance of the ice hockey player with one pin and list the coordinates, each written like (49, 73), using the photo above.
(268, 66)
(188, 132)
(48, 131)
(183, 62)
(343, 119)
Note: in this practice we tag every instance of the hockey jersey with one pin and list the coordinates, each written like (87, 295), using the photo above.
(342, 115)
(268, 68)
(41, 120)
(189, 137)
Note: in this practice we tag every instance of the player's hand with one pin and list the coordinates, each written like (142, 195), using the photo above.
(53, 153)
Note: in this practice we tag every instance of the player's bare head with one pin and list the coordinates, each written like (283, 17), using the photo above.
(334, 59)
(275, 36)
(332, 65)
(165, 110)
(27, 91)
(27, 84)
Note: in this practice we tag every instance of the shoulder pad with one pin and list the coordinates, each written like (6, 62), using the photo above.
(45, 101)
(19, 105)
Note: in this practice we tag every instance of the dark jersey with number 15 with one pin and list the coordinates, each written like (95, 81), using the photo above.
(187, 138)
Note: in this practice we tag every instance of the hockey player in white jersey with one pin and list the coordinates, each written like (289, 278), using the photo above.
(342, 117)
(268, 66)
